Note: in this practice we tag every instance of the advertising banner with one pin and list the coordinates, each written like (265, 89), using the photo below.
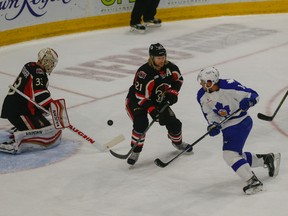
(22, 13)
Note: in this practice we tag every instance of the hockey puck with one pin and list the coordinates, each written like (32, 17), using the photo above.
(110, 122)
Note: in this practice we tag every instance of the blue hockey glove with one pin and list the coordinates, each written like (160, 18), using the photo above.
(246, 103)
(171, 96)
(214, 129)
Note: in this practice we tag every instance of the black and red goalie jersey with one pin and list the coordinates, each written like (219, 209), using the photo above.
(149, 86)
(33, 82)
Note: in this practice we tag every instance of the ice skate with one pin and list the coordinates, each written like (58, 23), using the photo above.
(253, 186)
(138, 28)
(153, 23)
(133, 158)
(9, 146)
(182, 146)
(12, 130)
(272, 162)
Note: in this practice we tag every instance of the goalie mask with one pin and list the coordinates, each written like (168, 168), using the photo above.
(48, 59)
(208, 74)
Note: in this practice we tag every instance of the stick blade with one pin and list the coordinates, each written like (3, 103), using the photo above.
(114, 141)
(264, 117)
(160, 163)
(120, 156)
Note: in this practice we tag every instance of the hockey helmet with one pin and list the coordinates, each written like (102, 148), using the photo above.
(48, 59)
(210, 73)
(157, 50)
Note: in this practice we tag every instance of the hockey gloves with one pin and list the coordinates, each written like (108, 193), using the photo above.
(246, 103)
(214, 129)
(171, 96)
(154, 114)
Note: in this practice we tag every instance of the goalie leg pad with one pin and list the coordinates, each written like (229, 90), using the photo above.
(39, 139)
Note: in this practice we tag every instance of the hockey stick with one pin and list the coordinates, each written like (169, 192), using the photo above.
(114, 141)
(162, 164)
(120, 156)
(71, 127)
(270, 118)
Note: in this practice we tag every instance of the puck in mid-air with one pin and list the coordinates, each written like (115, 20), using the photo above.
(110, 122)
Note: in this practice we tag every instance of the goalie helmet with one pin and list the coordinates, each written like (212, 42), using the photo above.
(157, 50)
(48, 59)
(210, 73)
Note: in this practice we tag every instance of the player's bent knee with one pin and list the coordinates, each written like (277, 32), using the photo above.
(231, 157)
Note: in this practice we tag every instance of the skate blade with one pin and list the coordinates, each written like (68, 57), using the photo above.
(8, 148)
(151, 25)
(277, 159)
(254, 190)
(137, 30)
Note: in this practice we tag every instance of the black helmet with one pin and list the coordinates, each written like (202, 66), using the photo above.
(157, 50)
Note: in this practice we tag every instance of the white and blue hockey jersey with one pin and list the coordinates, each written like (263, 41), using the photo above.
(218, 104)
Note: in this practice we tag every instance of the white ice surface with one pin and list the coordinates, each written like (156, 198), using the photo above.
(250, 49)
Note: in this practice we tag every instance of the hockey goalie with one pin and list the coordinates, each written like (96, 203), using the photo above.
(27, 106)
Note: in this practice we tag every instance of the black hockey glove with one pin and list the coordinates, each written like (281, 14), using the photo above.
(154, 114)
(214, 129)
(246, 103)
(171, 96)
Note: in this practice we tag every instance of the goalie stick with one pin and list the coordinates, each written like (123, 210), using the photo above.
(113, 142)
(162, 164)
(125, 156)
(270, 118)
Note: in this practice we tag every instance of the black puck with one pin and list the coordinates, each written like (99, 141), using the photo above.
(110, 122)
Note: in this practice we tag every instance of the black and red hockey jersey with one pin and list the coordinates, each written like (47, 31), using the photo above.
(33, 82)
(150, 85)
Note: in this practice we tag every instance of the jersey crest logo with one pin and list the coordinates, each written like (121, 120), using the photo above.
(221, 110)
(160, 92)
(141, 74)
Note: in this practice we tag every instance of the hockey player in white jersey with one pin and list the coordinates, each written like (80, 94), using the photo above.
(219, 98)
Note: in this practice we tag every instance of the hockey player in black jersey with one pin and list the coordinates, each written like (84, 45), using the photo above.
(32, 82)
(147, 10)
(156, 83)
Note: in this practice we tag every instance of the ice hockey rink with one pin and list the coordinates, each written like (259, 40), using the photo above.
(94, 73)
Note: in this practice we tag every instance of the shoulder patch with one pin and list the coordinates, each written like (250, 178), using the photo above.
(25, 72)
(141, 74)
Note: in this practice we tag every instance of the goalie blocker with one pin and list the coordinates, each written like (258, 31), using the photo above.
(59, 114)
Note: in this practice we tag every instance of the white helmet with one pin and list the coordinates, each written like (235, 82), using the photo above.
(48, 58)
(210, 73)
